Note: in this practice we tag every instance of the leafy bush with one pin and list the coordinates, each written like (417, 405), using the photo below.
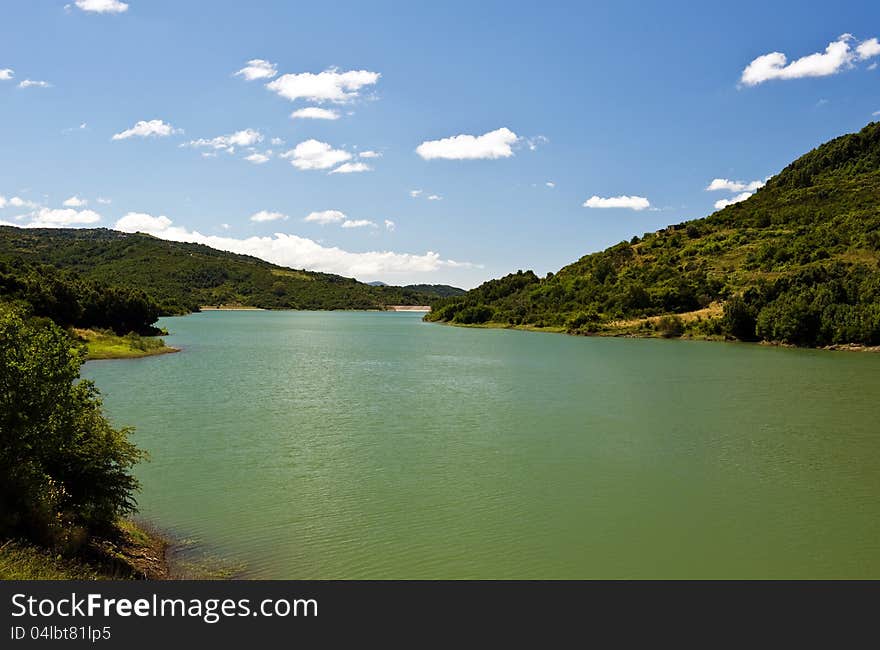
(670, 326)
(64, 470)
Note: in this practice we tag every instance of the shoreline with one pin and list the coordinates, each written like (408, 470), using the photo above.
(838, 347)
(134, 550)
(102, 345)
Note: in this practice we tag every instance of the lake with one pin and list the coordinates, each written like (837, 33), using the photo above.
(373, 445)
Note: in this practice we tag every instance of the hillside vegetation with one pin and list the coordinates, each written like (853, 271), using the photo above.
(181, 277)
(795, 263)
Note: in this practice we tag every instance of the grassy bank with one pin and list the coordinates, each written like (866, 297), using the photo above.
(130, 552)
(103, 344)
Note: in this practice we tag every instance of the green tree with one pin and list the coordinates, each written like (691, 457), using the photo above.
(64, 470)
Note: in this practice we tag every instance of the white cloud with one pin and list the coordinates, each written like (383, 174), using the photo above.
(370, 154)
(868, 49)
(628, 202)
(147, 129)
(491, 145)
(875, 113)
(103, 201)
(265, 215)
(314, 113)
(294, 251)
(244, 138)
(326, 216)
(225, 226)
(435, 197)
(102, 6)
(31, 83)
(277, 142)
(330, 85)
(415, 193)
(313, 154)
(257, 158)
(733, 186)
(351, 168)
(257, 69)
(873, 66)
(550, 184)
(6, 74)
(723, 203)
(358, 223)
(18, 202)
(142, 222)
(50, 218)
(74, 202)
(390, 225)
(838, 56)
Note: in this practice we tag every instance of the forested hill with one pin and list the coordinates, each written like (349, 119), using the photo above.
(180, 277)
(796, 263)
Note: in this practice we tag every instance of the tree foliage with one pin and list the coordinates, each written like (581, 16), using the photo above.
(64, 470)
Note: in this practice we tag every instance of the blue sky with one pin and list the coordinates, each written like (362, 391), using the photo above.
(633, 104)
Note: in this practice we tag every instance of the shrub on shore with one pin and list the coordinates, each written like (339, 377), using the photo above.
(65, 472)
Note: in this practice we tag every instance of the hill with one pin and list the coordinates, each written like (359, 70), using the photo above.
(795, 263)
(441, 290)
(181, 277)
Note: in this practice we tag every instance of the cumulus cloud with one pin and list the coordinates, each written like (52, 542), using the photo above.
(358, 223)
(74, 202)
(313, 154)
(838, 56)
(314, 113)
(868, 49)
(103, 201)
(257, 158)
(294, 251)
(370, 154)
(435, 197)
(628, 202)
(352, 168)
(328, 86)
(102, 6)
(733, 186)
(257, 69)
(18, 202)
(6, 74)
(492, 145)
(265, 215)
(390, 225)
(244, 138)
(326, 216)
(723, 203)
(31, 83)
(148, 129)
(550, 184)
(54, 218)
(415, 193)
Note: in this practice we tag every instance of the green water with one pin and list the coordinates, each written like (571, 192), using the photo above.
(372, 445)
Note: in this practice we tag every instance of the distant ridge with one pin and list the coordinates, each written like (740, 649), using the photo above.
(182, 276)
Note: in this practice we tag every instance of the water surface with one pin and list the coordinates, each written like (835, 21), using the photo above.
(372, 445)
